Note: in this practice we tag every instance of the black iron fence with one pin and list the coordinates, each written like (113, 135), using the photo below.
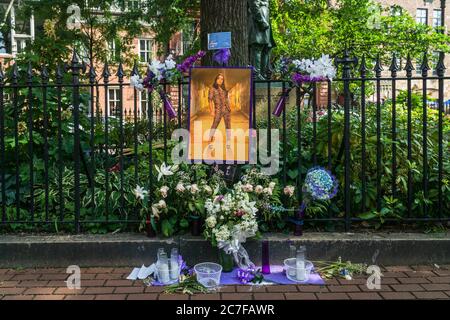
(71, 149)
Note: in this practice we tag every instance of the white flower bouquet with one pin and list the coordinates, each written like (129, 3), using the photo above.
(231, 220)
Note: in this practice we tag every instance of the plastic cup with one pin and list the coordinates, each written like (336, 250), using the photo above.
(208, 274)
(290, 265)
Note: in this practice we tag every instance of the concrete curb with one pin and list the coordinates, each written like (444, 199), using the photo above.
(135, 249)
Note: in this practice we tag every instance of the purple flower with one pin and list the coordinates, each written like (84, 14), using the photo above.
(222, 56)
(246, 275)
(298, 78)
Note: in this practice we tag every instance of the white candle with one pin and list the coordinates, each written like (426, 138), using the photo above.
(174, 270)
(300, 268)
(163, 273)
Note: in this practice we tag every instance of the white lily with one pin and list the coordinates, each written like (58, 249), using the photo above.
(140, 192)
(165, 170)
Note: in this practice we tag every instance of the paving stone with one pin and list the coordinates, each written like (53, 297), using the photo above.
(237, 296)
(9, 284)
(32, 283)
(153, 289)
(40, 290)
(305, 288)
(364, 296)
(67, 291)
(92, 283)
(413, 280)
(5, 277)
(300, 296)
(417, 274)
(30, 297)
(212, 296)
(164, 296)
(397, 295)
(109, 276)
(269, 296)
(352, 288)
(407, 287)
(111, 297)
(279, 288)
(251, 288)
(129, 290)
(389, 274)
(353, 281)
(54, 276)
(80, 297)
(29, 276)
(436, 286)
(332, 296)
(423, 268)
(99, 290)
(119, 283)
(398, 268)
(430, 295)
(383, 288)
(143, 296)
(11, 291)
(99, 270)
(439, 279)
(49, 297)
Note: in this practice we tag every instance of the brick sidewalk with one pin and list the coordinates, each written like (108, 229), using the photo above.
(416, 282)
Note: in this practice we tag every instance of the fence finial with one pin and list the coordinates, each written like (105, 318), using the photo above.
(378, 67)
(394, 66)
(30, 72)
(106, 74)
(44, 74)
(363, 67)
(440, 67)
(59, 73)
(135, 71)
(92, 74)
(120, 73)
(409, 67)
(425, 67)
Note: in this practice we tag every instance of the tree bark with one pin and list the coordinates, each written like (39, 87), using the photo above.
(224, 16)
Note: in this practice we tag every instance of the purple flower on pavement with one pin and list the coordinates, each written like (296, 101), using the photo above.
(246, 275)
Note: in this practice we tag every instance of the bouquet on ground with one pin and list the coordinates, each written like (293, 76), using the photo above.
(303, 71)
(231, 220)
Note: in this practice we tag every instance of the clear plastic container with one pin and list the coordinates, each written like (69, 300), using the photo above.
(300, 275)
(208, 274)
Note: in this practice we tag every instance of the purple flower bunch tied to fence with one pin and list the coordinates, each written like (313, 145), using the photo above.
(189, 62)
(171, 113)
(222, 56)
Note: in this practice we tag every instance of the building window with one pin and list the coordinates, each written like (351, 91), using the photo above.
(142, 105)
(422, 16)
(396, 10)
(21, 44)
(113, 51)
(145, 50)
(114, 102)
(437, 19)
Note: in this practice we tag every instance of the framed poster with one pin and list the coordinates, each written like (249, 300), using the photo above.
(220, 114)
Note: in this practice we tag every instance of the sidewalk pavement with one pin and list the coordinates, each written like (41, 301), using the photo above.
(398, 282)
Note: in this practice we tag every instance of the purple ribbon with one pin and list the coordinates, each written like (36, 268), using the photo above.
(281, 104)
(222, 56)
(171, 113)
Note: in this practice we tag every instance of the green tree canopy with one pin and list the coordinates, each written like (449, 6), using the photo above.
(309, 28)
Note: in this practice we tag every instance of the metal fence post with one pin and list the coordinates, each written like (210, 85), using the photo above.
(347, 61)
(76, 67)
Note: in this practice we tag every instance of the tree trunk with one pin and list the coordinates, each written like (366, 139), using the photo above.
(224, 16)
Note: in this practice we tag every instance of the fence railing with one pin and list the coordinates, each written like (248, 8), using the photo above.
(66, 160)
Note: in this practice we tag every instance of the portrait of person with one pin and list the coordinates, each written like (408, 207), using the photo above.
(220, 114)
